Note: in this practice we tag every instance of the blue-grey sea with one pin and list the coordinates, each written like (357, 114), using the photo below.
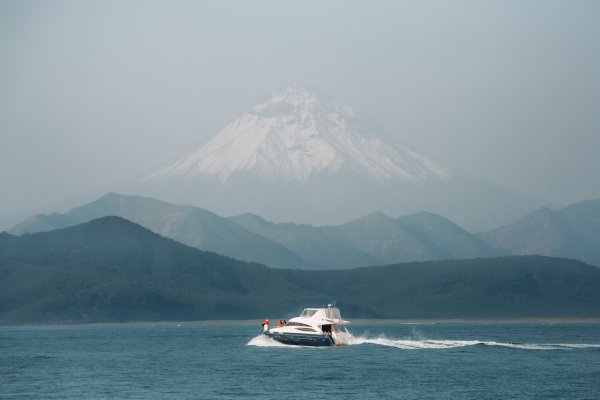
(231, 360)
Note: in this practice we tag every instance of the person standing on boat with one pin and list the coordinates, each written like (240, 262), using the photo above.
(280, 324)
(265, 325)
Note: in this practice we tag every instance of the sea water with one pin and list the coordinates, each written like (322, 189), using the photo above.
(231, 360)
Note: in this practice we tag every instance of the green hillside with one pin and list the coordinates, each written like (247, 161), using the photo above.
(111, 269)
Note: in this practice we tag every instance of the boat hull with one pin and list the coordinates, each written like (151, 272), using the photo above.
(301, 339)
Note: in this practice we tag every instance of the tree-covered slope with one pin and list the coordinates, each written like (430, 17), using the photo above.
(111, 269)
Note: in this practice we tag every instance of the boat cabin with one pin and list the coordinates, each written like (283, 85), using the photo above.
(331, 314)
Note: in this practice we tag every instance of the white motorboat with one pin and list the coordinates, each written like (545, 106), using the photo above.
(313, 327)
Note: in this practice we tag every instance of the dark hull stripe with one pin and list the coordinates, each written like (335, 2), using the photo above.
(302, 340)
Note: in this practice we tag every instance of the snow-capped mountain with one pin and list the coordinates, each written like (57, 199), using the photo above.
(295, 135)
(296, 157)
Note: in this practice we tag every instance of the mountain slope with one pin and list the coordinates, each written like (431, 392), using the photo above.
(43, 223)
(294, 135)
(572, 232)
(111, 269)
(371, 240)
(189, 225)
(449, 239)
(418, 237)
(311, 243)
(383, 238)
(296, 157)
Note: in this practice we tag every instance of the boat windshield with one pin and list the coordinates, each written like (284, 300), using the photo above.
(308, 312)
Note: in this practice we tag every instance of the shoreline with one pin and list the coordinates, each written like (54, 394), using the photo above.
(358, 321)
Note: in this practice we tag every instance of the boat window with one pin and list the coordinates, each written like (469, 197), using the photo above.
(333, 313)
(306, 329)
(307, 312)
(296, 324)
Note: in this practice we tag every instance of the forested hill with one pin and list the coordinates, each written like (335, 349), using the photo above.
(111, 269)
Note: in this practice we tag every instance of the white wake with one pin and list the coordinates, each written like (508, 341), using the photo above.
(417, 344)
(410, 344)
(265, 341)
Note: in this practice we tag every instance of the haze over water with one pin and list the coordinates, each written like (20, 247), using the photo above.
(97, 93)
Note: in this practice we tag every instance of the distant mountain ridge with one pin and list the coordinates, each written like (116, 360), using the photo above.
(189, 225)
(572, 232)
(112, 270)
(371, 240)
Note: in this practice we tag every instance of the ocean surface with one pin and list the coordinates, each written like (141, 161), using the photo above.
(231, 360)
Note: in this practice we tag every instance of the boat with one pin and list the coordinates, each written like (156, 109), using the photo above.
(313, 327)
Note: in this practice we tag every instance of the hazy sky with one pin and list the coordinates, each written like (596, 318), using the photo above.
(95, 92)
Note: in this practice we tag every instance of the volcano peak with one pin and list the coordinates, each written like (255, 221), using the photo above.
(295, 135)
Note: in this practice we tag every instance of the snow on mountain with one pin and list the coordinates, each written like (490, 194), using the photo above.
(296, 157)
(295, 135)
